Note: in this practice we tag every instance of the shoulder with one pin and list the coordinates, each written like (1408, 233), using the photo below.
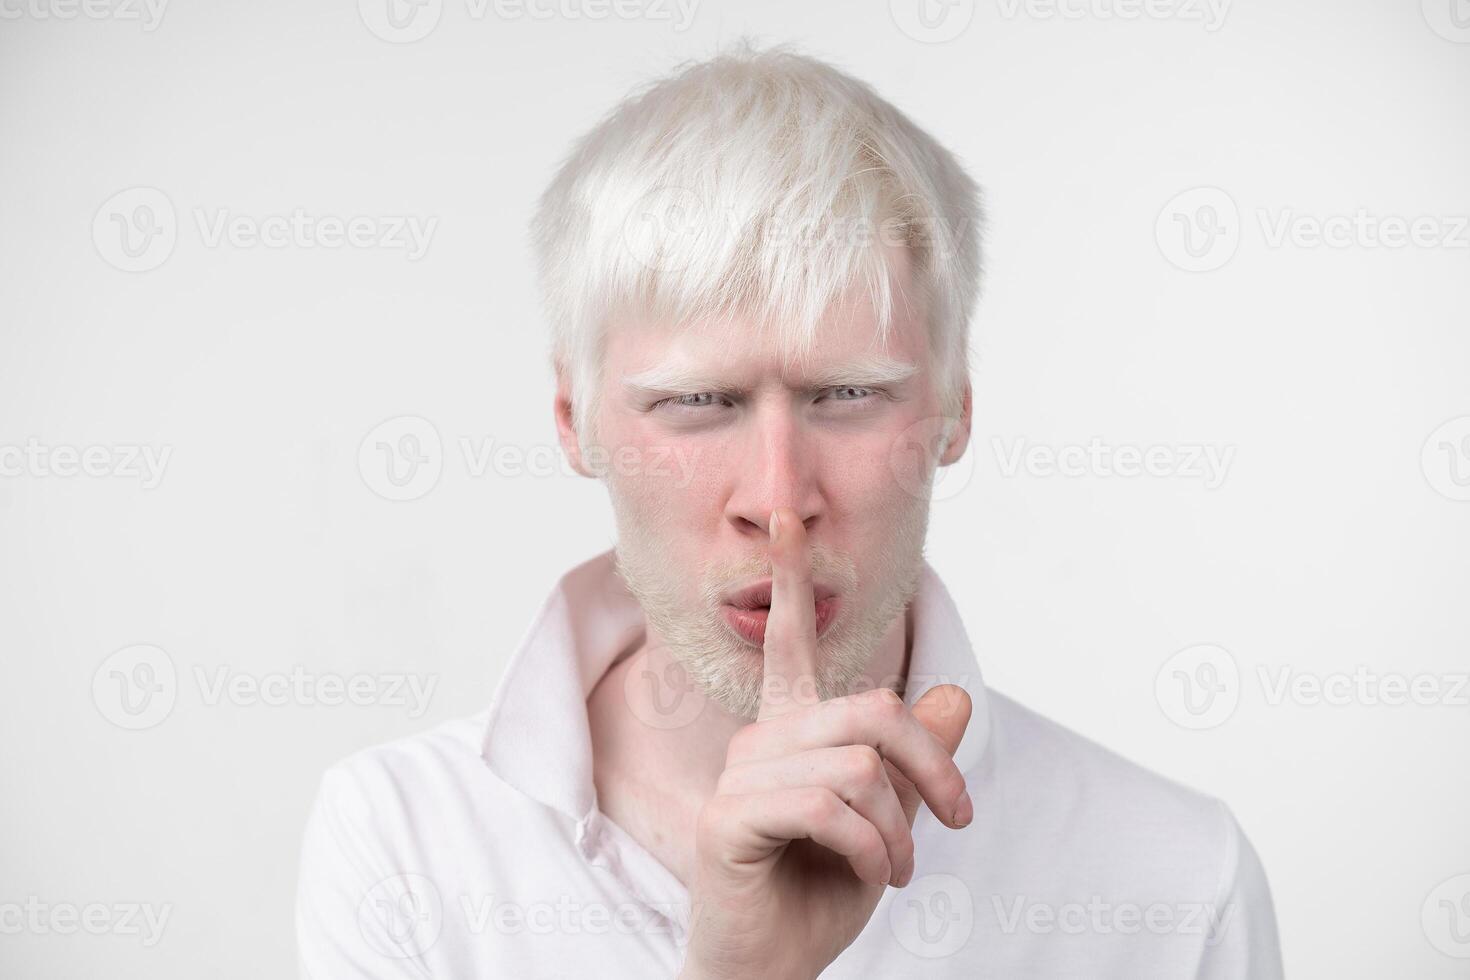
(423, 759)
(1090, 803)
(375, 804)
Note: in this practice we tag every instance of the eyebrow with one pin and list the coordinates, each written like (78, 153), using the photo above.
(678, 380)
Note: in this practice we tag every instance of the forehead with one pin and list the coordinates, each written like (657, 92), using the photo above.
(744, 350)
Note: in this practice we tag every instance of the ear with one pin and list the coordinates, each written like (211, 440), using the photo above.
(566, 426)
(960, 438)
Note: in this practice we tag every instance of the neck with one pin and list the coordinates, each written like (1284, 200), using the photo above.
(654, 770)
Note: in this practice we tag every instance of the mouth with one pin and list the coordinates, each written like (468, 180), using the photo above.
(747, 611)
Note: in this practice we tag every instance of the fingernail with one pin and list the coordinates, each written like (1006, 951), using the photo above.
(775, 527)
(907, 875)
(964, 810)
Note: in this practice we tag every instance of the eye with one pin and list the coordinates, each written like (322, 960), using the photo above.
(852, 401)
(848, 393)
(696, 400)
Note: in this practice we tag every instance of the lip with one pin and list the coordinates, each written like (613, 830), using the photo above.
(750, 623)
(759, 594)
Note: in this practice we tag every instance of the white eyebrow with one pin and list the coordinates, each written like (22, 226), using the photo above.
(678, 380)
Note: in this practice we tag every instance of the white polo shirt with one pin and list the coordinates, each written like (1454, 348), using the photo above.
(477, 850)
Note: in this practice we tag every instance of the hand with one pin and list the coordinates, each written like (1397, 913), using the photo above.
(813, 813)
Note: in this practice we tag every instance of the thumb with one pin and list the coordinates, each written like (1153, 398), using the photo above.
(944, 711)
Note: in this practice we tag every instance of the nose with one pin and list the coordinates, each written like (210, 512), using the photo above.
(777, 465)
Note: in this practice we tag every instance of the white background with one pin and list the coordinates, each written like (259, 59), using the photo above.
(1333, 544)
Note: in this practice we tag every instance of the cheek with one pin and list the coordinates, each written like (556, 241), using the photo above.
(669, 487)
(870, 474)
(679, 475)
(875, 487)
(911, 457)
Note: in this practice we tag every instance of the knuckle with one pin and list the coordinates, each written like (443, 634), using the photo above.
(863, 765)
(817, 806)
(849, 715)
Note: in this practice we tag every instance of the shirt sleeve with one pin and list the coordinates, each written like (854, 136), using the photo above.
(1242, 944)
(358, 916)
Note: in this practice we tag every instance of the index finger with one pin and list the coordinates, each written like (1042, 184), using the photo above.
(790, 677)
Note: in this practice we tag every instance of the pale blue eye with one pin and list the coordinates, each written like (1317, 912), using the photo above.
(842, 396)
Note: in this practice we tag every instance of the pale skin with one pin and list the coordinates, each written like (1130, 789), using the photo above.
(787, 828)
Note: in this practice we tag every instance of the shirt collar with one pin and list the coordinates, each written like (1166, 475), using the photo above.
(537, 738)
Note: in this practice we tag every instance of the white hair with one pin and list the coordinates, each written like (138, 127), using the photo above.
(759, 183)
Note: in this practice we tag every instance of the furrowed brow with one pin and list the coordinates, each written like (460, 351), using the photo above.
(664, 382)
(870, 371)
